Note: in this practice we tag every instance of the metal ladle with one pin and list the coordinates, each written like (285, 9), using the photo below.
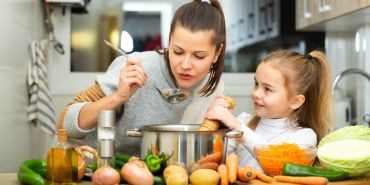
(170, 95)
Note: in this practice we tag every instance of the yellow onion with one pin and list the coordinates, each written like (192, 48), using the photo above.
(81, 166)
(106, 175)
(135, 172)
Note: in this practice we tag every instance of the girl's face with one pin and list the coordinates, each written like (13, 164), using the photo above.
(270, 93)
(191, 55)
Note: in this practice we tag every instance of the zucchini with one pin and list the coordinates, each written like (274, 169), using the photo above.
(302, 170)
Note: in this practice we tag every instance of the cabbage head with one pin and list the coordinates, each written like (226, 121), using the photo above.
(346, 149)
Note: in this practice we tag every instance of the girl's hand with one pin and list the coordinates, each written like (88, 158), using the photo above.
(220, 100)
(219, 110)
(131, 77)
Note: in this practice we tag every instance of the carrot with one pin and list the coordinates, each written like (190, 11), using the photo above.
(217, 144)
(246, 174)
(232, 165)
(212, 166)
(263, 177)
(302, 180)
(224, 173)
(211, 158)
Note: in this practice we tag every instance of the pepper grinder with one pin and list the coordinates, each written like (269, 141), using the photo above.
(106, 135)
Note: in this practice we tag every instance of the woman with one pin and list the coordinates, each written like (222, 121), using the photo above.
(193, 61)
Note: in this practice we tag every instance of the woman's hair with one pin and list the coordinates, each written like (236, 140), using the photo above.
(203, 16)
(310, 76)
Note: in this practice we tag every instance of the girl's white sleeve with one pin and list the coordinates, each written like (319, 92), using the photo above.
(243, 118)
(250, 139)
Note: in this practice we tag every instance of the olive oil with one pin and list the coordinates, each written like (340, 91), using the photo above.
(62, 163)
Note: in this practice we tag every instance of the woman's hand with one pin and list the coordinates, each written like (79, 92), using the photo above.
(219, 110)
(131, 77)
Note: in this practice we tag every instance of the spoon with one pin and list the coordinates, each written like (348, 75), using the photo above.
(170, 95)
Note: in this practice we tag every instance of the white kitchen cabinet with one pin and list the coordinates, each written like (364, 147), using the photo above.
(323, 14)
(250, 21)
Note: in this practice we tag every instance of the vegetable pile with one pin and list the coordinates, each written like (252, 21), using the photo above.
(347, 149)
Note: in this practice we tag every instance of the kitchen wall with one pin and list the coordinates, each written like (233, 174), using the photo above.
(21, 21)
(351, 49)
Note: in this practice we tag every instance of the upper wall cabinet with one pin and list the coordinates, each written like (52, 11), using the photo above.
(248, 22)
(330, 14)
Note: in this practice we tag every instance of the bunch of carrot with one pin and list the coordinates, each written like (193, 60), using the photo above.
(273, 157)
(231, 172)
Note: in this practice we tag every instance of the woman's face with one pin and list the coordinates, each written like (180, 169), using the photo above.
(191, 55)
(270, 94)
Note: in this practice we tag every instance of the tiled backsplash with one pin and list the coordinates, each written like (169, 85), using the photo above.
(21, 21)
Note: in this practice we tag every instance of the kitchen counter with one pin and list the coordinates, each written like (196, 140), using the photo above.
(11, 179)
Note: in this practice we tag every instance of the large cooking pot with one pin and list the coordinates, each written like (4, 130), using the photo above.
(185, 143)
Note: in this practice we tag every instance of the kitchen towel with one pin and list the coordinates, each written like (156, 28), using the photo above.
(40, 110)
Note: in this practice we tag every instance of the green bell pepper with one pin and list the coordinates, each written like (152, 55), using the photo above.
(120, 160)
(122, 157)
(32, 172)
(302, 170)
(153, 162)
(158, 180)
(93, 166)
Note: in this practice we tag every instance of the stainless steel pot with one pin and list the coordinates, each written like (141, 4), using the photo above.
(187, 145)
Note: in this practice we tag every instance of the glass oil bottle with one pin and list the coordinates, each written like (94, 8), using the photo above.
(62, 162)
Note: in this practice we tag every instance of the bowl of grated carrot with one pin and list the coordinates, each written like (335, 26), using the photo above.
(272, 158)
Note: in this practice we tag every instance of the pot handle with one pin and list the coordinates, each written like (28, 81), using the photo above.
(234, 134)
(134, 133)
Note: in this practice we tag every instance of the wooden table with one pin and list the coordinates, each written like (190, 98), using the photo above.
(11, 179)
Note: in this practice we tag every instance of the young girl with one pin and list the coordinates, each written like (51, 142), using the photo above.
(292, 100)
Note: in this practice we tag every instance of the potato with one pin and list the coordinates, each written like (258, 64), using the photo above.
(175, 175)
(204, 177)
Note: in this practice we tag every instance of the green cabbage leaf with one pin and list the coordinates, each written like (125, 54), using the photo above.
(347, 149)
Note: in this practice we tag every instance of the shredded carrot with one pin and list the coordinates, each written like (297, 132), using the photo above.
(273, 157)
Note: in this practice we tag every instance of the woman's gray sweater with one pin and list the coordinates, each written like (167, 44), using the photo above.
(145, 107)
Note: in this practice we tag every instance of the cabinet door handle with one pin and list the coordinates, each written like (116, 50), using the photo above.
(323, 6)
(306, 14)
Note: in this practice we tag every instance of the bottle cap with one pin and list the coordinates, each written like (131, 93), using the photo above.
(107, 118)
(62, 135)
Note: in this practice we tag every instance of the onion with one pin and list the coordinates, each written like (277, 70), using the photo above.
(106, 175)
(81, 166)
(135, 172)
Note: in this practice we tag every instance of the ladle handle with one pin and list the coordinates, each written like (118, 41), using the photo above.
(134, 133)
(234, 134)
